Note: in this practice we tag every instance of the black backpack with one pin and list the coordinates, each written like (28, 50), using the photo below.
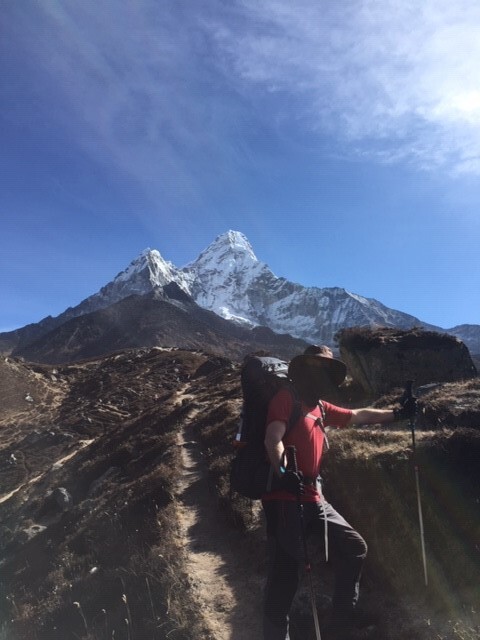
(251, 473)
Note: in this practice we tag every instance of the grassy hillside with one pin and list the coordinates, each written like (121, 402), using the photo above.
(151, 545)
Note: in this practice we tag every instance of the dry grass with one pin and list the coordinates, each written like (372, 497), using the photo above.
(115, 553)
(366, 337)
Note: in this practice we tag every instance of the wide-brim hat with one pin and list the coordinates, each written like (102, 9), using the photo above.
(318, 357)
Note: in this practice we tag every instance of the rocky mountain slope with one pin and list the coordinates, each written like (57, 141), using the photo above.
(228, 279)
(116, 519)
(166, 317)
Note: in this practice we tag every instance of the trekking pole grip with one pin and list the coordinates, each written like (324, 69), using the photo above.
(408, 394)
(292, 457)
(409, 389)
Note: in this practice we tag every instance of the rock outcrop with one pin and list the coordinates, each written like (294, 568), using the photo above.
(384, 358)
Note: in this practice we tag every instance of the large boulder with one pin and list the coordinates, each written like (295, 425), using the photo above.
(383, 358)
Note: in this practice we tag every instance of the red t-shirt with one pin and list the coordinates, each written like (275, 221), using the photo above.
(307, 437)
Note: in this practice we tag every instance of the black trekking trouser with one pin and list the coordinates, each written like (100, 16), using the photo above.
(285, 558)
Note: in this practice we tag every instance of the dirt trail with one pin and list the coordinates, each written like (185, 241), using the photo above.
(227, 593)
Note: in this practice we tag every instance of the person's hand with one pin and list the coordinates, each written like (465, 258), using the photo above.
(292, 481)
(407, 410)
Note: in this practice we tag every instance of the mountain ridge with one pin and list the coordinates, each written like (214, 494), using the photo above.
(167, 317)
(228, 279)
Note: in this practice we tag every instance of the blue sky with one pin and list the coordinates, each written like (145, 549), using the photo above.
(343, 139)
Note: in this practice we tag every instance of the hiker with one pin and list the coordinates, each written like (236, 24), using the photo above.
(311, 373)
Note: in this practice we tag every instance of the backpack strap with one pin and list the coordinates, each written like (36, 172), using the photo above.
(320, 421)
(297, 412)
(296, 409)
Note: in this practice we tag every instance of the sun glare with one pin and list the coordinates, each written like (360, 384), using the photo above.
(467, 104)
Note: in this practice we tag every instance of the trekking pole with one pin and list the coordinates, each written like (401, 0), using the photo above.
(408, 395)
(292, 457)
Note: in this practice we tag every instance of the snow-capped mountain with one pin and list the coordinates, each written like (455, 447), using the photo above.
(148, 271)
(225, 277)
(228, 278)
